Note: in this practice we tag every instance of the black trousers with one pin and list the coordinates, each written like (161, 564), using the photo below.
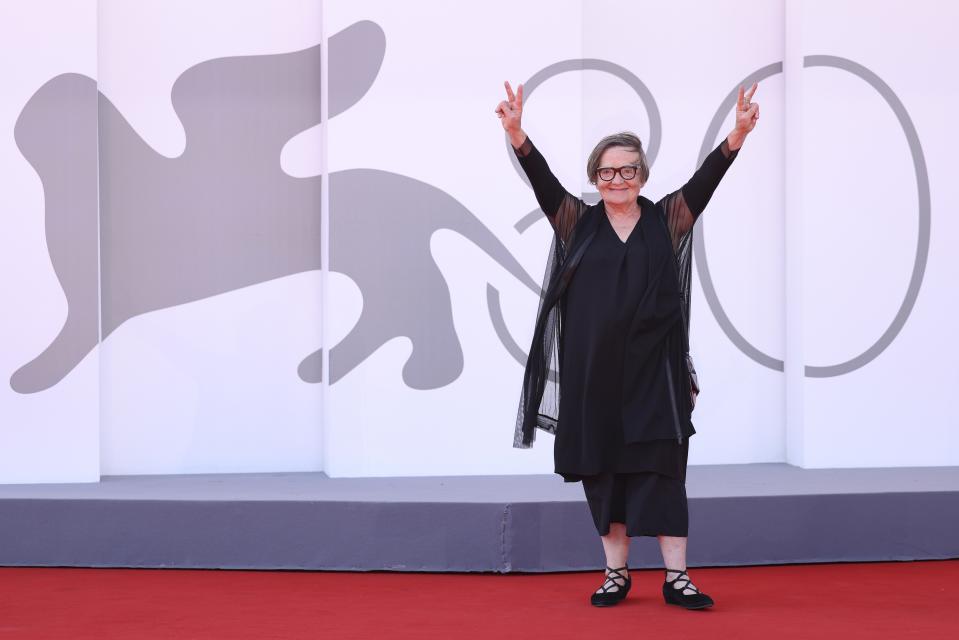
(648, 503)
(650, 499)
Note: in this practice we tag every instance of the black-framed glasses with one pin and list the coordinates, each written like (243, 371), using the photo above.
(627, 172)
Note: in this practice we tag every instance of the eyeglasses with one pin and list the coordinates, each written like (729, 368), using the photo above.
(628, 172)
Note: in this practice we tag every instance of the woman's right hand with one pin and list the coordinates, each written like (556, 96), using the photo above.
(510, 112)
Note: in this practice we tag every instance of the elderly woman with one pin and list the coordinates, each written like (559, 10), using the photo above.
(611, 340)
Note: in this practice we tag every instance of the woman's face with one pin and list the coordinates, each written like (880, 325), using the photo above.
(619, 191)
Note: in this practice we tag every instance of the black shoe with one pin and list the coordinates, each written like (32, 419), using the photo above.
(674, 594)
(608, 598)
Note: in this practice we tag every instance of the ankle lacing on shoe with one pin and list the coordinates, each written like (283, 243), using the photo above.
(607, 596)
(611, 580)
(689, 583)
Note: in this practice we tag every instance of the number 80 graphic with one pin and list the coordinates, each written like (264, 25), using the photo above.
(699, 247)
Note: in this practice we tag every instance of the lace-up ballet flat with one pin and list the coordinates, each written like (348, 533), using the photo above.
(673, 593)
(607, 597)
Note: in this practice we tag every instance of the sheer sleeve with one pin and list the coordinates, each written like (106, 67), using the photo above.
(684, 206)
(562, 208)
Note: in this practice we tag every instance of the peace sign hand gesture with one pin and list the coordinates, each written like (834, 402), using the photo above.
(747, 111)
(510, 111)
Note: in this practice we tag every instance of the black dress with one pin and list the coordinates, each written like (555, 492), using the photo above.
(599, 308)
(613, 311)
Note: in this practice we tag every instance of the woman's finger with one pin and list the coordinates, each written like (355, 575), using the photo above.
(519, 96)
(752, 90)
(509, 92)
(740, 101)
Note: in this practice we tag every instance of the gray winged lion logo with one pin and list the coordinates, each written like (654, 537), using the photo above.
(223, 215)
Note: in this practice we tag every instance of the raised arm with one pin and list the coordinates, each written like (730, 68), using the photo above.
(562, 208)
(684, 206)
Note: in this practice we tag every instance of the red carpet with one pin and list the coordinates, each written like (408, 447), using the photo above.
(878, 600)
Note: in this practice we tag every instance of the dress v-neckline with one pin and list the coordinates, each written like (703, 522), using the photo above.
(616, 234)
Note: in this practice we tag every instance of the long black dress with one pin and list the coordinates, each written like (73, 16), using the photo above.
(613, 310)
(599, 308)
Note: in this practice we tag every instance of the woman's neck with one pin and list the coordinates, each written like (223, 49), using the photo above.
(624, 210)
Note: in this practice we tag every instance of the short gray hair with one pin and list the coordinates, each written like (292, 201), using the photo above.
(626, 139)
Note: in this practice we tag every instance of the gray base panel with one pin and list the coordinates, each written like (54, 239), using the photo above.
(739, 515)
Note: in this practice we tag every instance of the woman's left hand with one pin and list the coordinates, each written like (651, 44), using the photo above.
(747, 111)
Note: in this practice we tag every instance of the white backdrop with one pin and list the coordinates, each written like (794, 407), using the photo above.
(218, 385)
(208, 386)
(51, 436)
(860, 236)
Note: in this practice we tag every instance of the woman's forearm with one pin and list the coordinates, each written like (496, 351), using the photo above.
(704, 181)
(549, 193)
